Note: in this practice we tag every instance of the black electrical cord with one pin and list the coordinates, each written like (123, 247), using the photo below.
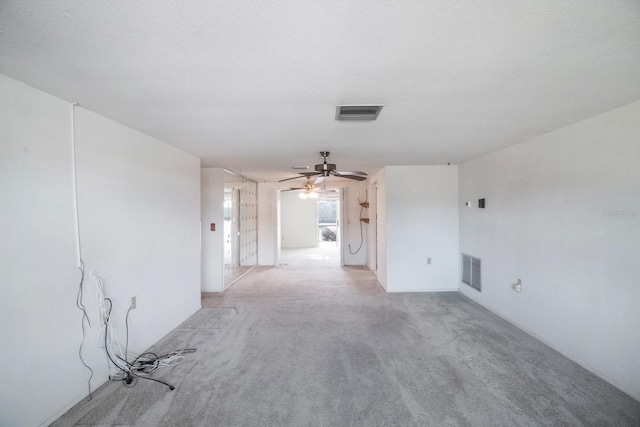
(106, 334)
(82, 308)
(128, 381)
(126, 323)
(361, 235)
(128, 373)
(154, 364)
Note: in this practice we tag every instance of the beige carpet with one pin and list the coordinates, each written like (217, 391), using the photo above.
(307, 344)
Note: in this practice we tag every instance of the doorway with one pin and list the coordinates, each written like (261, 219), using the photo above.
(309, 229)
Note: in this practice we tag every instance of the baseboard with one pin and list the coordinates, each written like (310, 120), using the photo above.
(395, 291)
(380, 284)
(238, 278)
(70, 405)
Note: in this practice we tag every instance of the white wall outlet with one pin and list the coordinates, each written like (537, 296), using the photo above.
(468, 203)
(133, 303)
(428, 260)
(517, 286)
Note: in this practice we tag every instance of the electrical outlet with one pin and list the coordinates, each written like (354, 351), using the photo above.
(517, 286)
(133, 303)
(428, 260)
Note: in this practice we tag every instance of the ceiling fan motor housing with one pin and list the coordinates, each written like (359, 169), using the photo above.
(325, 168)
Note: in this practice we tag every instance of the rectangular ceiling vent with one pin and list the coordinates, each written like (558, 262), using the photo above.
(357, 112)
(471, 272)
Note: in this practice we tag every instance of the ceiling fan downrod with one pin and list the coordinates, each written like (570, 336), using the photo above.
(325, 168)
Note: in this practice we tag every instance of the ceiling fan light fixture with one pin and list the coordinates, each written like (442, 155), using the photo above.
(308, 195)
(357, 112)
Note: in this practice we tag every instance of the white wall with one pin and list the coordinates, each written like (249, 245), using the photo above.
(38, 265)
(299, 221)
(377, 250)
(563, 214)
(138, 203)
(212, 211)
(421, 222)
(139, 212)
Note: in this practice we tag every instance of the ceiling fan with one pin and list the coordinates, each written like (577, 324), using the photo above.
(323, 170)
(309, 190)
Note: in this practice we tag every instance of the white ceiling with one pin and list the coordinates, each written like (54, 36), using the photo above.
(252, 86)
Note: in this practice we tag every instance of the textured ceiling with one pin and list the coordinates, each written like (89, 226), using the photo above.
(252, 86)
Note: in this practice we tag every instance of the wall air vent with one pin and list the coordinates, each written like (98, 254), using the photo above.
(471, 272)
(357, 112)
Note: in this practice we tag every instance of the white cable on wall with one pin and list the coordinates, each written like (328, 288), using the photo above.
(75, 181)
(111, 339)
(79, 297)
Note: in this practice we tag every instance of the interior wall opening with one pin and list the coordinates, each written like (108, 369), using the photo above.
(310, 227)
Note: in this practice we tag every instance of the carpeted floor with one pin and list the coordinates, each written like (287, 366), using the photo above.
(300, 345)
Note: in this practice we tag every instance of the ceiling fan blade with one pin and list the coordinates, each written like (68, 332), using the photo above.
(289, 179)
(303, 174)
(356, 177)
(325, 169)
(338, 173)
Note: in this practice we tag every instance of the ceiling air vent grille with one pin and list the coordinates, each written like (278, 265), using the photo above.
(357, 112)
(471, 269)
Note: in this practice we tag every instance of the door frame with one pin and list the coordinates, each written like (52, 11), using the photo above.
(277, 208)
